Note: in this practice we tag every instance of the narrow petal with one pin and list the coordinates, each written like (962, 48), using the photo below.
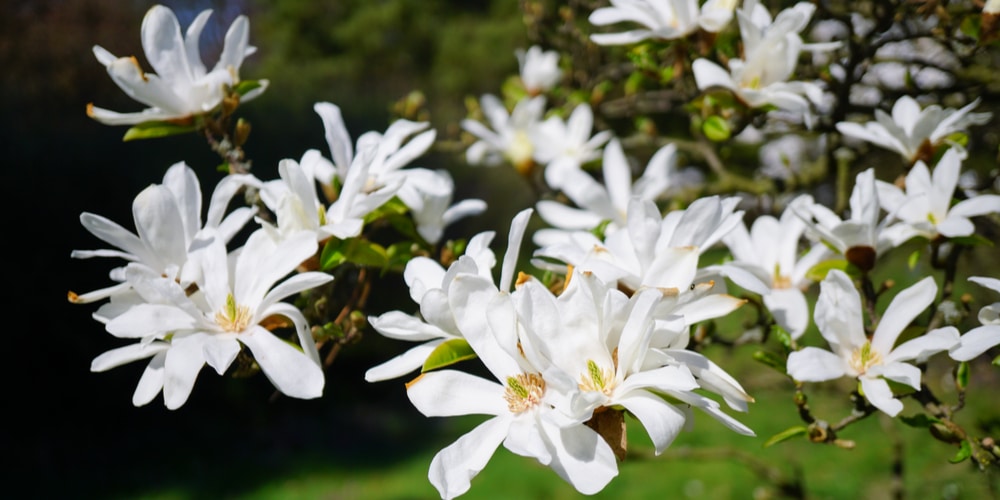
(151, 382)
(662, 421)
(403, 364)
(879, 394)
(289, 369)
(812, 364)
(447, 393)
(126, 354)
(453, 468)
(181, 366)
(924, 346)
(905, 306)
(581, 457)
(975, 342)
(904, 373)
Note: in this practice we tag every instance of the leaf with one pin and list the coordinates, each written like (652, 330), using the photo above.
(246, 86)
(962, 375)
(819, 271)
(332, 254)
(394, 206)
(964, 451)
(770, 359)
(786, 434)
(716, 129)
(911, 262)
(919, 420)
(971, 240)
(996, 361)
(448, 353)
(784, 338)
(153, 130)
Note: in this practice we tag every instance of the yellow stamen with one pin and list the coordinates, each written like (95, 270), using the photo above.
(864, 358)
(233, 317)
(524, 391)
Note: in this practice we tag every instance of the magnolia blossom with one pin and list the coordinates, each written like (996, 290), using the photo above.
(912, 132)
(660, 19)
(537, 410)
(510, 139)
(539, 69)
(609, 202)
(182, 332)
(168, 223)
(771, 247)
(979, 339)
(426, 193)
(181, 87)
(771, 52)
(873, 361)
(567, 145)
(429, 287)
(862, 237)
(925, 207)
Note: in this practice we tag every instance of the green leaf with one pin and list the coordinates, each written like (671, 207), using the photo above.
(971, 26)
(354, 250)
(964, 452)
(332, 254)
(911, 262)
(783, 337)
(962, 375)
(919, 420)
(394, 206)
(786, 434)
(448, 353)
(770, 359)
(819, 271)
(153, 130)
(246, 86)
(971, 240)
(716, 129)
(996, 361)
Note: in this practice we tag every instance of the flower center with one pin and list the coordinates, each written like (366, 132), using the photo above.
(864, 358)
(524, 392)
(233, 317)
(598, 379)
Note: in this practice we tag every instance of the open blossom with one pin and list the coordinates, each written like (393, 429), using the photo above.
(510, 139)
(925, 207)
(539, 69)
(536, 408)
(771, 247)
(873, 361)
(429, 287)
(912, 132)
(567, 145)
(182, 332)
(168, 222)
(662, 19)
(979, 339)
(597, 203)
(182, 87)
(771, 52)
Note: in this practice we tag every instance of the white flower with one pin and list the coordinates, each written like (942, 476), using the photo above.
(772, 248)
(771, 52)
(510, 139)
(535, 407)
(181, 87)
(182, 333)
(567, 145)
(925, 208)
(608, 202)
(861, 238)
(873, 361)
(432, 209)
(912, 132)
(429, 287)
(539, 69)
(979, 339)
(168, 221)
(661, 19)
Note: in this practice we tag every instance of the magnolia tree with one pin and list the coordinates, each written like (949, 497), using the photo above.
(690, 160)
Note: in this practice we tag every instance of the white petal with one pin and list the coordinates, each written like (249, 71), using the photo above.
(181, 366)
(922, 347)
(126, 354)
(905, 306)
(403, 364)
(812, 364)
(976, 342)
(879, 394)
(447, 393)
(581, 457)
(151, 382)
(289, 369)
(662, 421)
(453, 468)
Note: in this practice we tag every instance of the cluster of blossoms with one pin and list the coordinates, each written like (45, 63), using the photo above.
(604, 331)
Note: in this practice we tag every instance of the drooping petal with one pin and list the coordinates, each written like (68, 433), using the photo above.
(879, 394)
(581, 457)
(453, 468)
(151, 382)
(662, 420)
(289, 369)
(180, 368)
(127, 354)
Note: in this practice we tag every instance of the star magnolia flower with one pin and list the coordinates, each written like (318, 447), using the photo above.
(873, 361)
(771, 247)
(925, 208)
(510, 139)
(168, 222)
(771, 52)
(609, 202)
(535, 407)
(539, 69)
(429, 287)
(181, 87)
(603, 336)
(979, 339)
(912, 132)
(861, 238)
(567, 145)
(182, 333)
(296, 205)
(661, 19)
(432, 209)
